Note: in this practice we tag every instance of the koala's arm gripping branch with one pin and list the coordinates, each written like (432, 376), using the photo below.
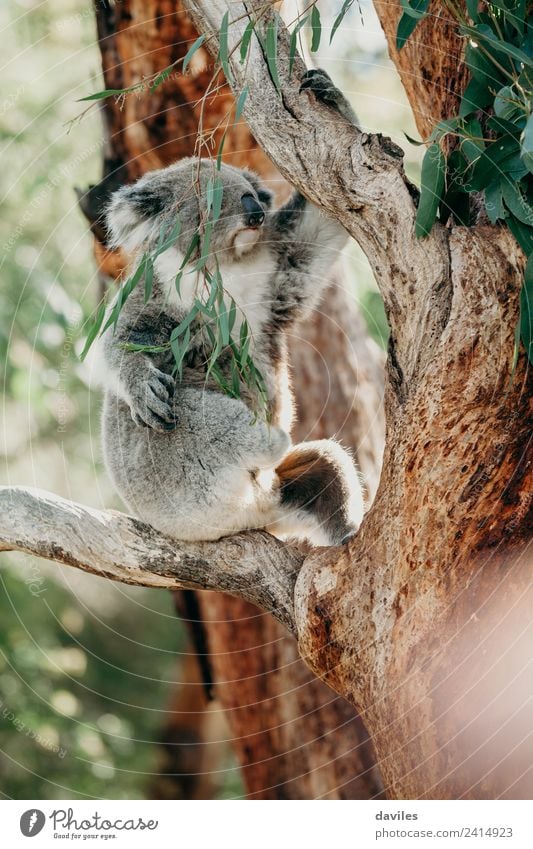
(253, 566)
(355, 176)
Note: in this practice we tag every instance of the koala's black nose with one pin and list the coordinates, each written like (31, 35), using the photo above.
(253, 211)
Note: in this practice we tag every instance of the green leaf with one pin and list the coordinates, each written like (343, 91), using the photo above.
(184, 324)
(433, 173)
(93, 330)
(413, 141)
(108, 92)
(516, 202)
(294, 42)
(416, 10)
(316, 26)
(240, 103)
(488, 37)
(500, 157)
(476, 96)
(179, 349)
(408, 21)
(507, 105)
(124, 292)
(162, 77)
(526, 310)
(148, 279)
(167, 237)
(472, 144)
(191, 51)
(471, 7)
(494, 202)
(220, 151)
(245, 41)
(450, 125)
(205, 245)
(215, 193)
(340, 17)
(223, 323)
(223, 50)
(232, 315)
(482, 68)
(526, 145)
(522, 233)
(271, 45)
(456, 200)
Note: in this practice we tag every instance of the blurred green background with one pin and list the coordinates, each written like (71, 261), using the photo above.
(87, 667)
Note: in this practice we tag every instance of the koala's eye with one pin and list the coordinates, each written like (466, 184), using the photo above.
(265, 197)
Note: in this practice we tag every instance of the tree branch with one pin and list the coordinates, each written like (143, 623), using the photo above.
(356, 177)
(253, 566)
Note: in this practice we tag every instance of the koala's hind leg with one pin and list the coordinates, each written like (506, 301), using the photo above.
(320, 493)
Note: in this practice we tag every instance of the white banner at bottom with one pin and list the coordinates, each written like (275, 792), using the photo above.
(268, 825)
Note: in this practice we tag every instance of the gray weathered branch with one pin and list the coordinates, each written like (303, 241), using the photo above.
(253, 566)
(355, 176)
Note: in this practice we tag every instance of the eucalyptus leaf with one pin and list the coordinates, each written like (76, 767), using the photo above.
(245, 42)
(526, 310)
(340, 17)
(432, 188)
(93, 330)
(494, 202)
(271, 45)
(316, 27)
(191, 51)
(526, 145)
(294, 41)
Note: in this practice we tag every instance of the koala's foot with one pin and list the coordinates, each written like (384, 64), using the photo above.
(319, 486)
(325, 91)
(151, 401)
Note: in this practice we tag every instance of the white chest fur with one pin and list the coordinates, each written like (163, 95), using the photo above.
(247, 281)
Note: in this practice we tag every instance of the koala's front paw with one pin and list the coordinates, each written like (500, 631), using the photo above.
(325, 91)
(322, 86)
(151, 401)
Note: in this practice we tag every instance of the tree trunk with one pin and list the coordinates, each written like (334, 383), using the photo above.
(292, 735)
(424, 619)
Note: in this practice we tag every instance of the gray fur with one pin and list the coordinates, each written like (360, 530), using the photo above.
(191, 461)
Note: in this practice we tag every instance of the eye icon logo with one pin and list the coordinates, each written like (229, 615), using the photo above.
(32, 822)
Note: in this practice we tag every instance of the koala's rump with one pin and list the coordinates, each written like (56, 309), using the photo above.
(193, 482)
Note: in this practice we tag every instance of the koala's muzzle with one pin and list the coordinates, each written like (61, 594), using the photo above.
(253, 211)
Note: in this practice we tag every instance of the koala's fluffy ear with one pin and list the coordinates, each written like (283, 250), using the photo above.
(133, 211)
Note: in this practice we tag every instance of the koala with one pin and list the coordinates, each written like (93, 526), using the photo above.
(186, 457)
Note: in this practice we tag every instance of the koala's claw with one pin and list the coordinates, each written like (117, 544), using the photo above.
(325, 91)
(322, 86)
(153, 405)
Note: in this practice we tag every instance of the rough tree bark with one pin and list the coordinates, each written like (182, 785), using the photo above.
(423, 621)
(293, 737)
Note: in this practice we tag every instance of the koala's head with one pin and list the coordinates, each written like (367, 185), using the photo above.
(137, 213)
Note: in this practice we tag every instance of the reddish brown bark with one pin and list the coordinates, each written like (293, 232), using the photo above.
(293, 736)
(430, 62)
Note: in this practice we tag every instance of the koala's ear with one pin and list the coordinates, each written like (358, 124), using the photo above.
(133, 210)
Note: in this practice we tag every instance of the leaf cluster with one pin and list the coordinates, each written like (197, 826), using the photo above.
(493, 155)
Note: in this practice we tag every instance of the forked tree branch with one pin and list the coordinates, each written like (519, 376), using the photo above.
(354, 176)
(253, 566)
